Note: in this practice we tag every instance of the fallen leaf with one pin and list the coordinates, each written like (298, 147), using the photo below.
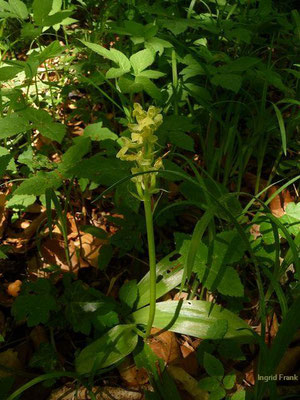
(280, 201)
(289, 361)
(165, 345)
(3, 213)
(132, 375)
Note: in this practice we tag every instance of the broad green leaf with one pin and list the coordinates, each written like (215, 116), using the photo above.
(5, 160)
(53, 130)
(98, 132)
(152, 74)
(4, 6)
(114, 55)
(218, 330)
(149, 87)
(8, 73)
(217, 394)
(57, 18)
(213, 366)
(12, 125)
(38, 184)
(194, 318)
(105, 256)
(41, 10)
(128, 293)
(75, 153)
(229, 381)
(99, 50)
(19, 8)
(209, 383)
(228, 81)
(83, 305)
(99, 169)
(53, 50)
(141, 60)
(240, 65)
(128, 85)
(20, 201)
(108, 350)
(169, 275)
(212, 263)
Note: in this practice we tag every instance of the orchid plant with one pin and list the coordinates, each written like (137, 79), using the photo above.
(141, 150)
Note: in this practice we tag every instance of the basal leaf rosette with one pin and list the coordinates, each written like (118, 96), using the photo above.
(140, 149)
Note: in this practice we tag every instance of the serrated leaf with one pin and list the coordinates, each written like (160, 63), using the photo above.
(152, 74)
(141, 60)
(35, 302)
(108, 350)
(149, 87)
(38, 184)
(213, 366)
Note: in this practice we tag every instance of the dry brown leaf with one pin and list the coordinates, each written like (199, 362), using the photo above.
(189, 361)
(189, 384)
(14, 288)
(53, 252)
(90, 247)
(132, 375)
(165, 345)
(280, 201)
(9, 359)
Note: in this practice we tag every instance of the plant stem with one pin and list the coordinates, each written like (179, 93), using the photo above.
(152, 260)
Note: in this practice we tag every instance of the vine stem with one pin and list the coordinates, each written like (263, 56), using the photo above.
(152, 260)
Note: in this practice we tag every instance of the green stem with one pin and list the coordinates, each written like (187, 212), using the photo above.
(152, 260)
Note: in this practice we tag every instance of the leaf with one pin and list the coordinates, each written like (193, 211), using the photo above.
(213, 366)
(194, 318)
(35, 302)
(240, 65)
(229, 381)
(149, 87)
(169, 275)
(141, 60)
(281, 127)
(100, 169)
(98, 133)
(152, 74)
(8, 73)
(38, 184)
(19, 8)
(212, 263)
(128, 293)
(20, 201)
(209, 383)
(53, 50)
(217, 394)
(41, 10)
(5, 160)
(228, 81)
(12, 125)
(218, 330)
(83, 305)
(105, 256)
(57, 18)
(108, 350)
